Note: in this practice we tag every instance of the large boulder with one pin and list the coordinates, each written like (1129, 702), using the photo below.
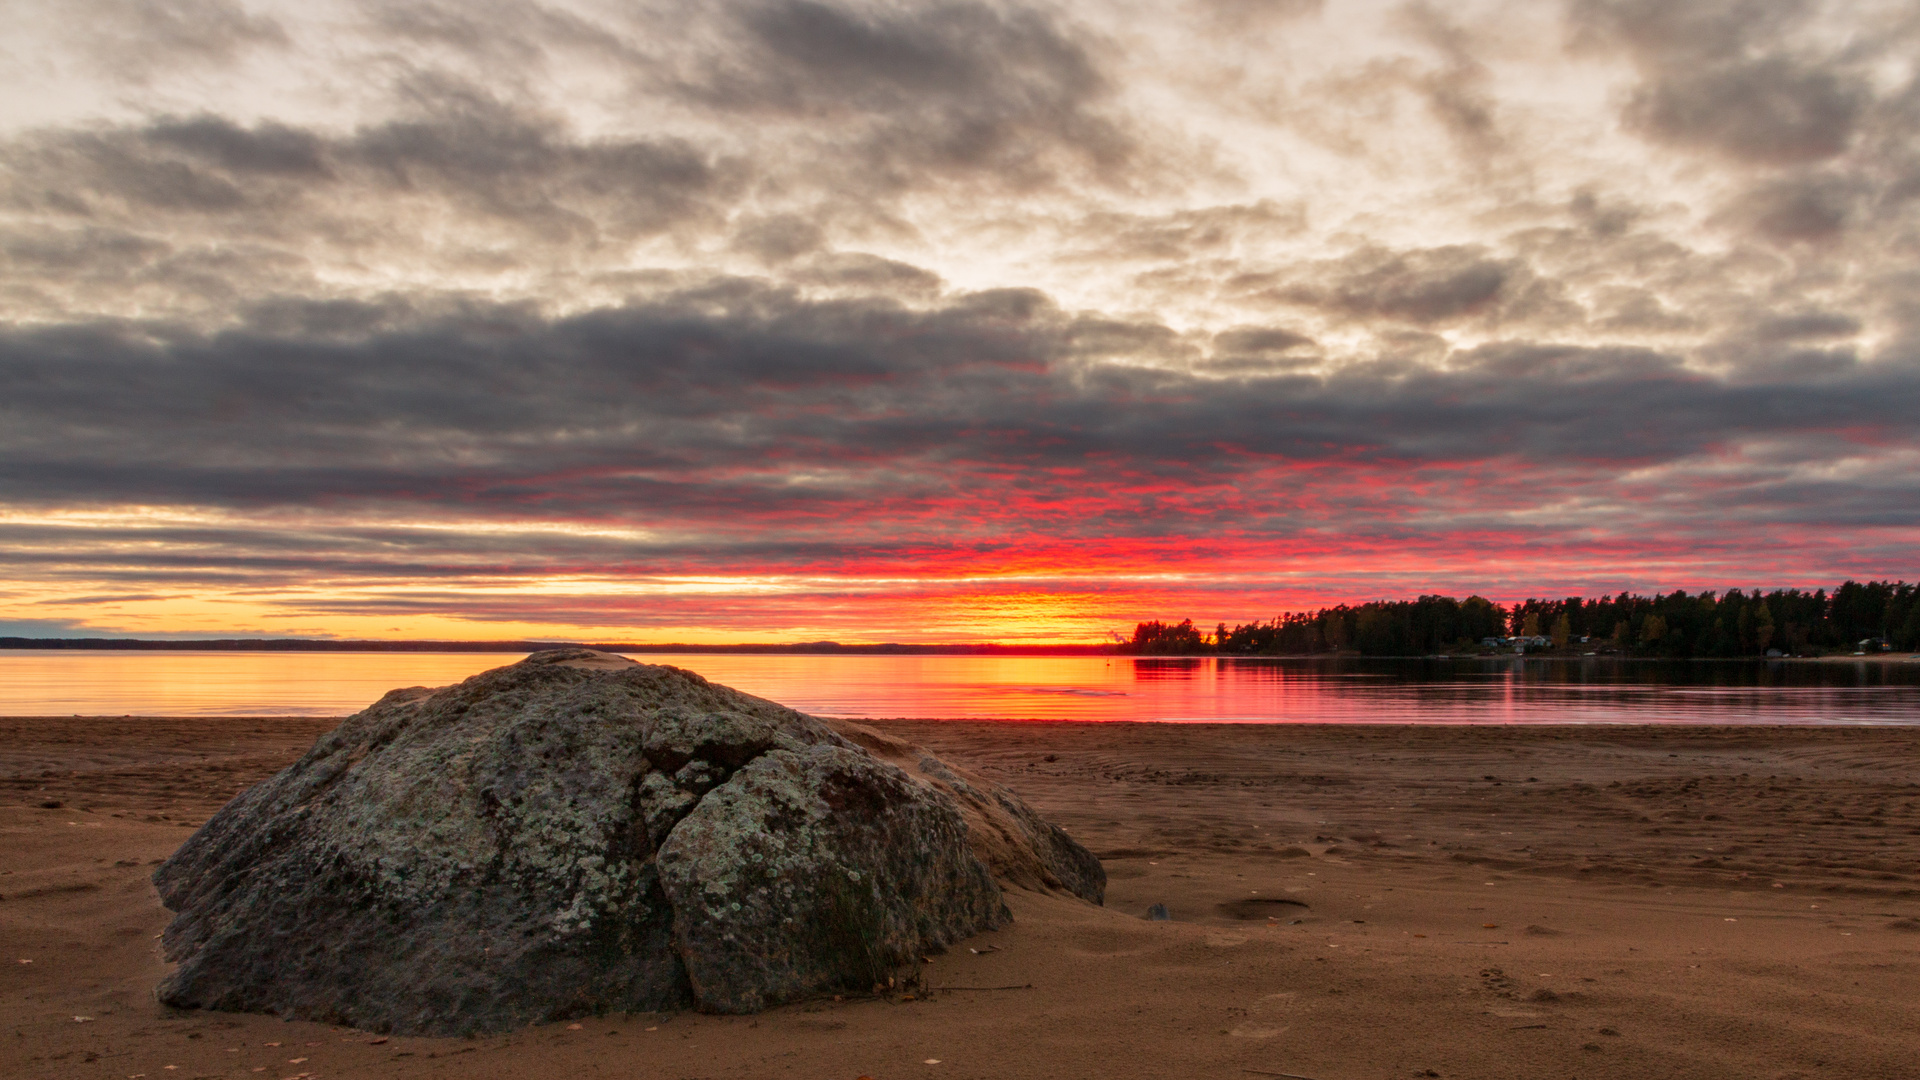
(577, 833)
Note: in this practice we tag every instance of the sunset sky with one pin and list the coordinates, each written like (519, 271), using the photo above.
(785, 320)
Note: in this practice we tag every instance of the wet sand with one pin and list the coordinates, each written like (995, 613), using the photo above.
(1370, 902)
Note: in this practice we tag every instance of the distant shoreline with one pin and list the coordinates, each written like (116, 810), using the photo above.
(1872, 658)
(807, 648)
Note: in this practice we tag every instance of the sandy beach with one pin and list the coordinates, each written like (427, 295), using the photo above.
(1360, 903)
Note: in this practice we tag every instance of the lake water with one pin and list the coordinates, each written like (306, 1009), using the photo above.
(1093, 688)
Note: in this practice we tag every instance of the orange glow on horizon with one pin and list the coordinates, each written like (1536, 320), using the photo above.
(1082, 605)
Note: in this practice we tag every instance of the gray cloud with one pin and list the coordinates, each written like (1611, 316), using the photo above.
(267, 150)
(868, 275)
(478, 155)
(1458, 94)
(133, 39)
(1811, 326)
(1424, 287)
(1771, 110)
(779, 237)
(511, 41)
(678, 409)
(1258, 341)
(512, 167)
(1259, 350)
(202, 212)
(1626, 309)
(1801, 207)
(1707, 28)
(1740, 78)
(956, 87)
(1802, 346)
(1184, 234)
(1240, 16)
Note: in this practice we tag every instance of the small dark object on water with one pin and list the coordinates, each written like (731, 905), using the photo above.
(1158, 913)
(1051, 757)
(53, 804)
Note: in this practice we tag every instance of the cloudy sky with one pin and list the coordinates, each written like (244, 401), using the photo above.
(766, 320)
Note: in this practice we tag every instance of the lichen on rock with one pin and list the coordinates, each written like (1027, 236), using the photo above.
(576, 834)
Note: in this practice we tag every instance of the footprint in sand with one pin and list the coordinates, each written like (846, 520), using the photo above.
(1266, 1028)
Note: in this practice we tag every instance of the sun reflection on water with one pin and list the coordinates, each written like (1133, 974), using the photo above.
(1083, 688)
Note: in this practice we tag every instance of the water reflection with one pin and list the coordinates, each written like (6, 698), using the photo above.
(1514, 690)
(1169, 667)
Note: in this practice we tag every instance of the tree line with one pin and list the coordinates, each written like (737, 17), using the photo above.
(1735, 623)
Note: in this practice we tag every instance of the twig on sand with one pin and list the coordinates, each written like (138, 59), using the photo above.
(1022, 986)
(1289, 1076)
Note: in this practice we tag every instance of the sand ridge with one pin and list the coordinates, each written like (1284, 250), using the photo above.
(1362, 902)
